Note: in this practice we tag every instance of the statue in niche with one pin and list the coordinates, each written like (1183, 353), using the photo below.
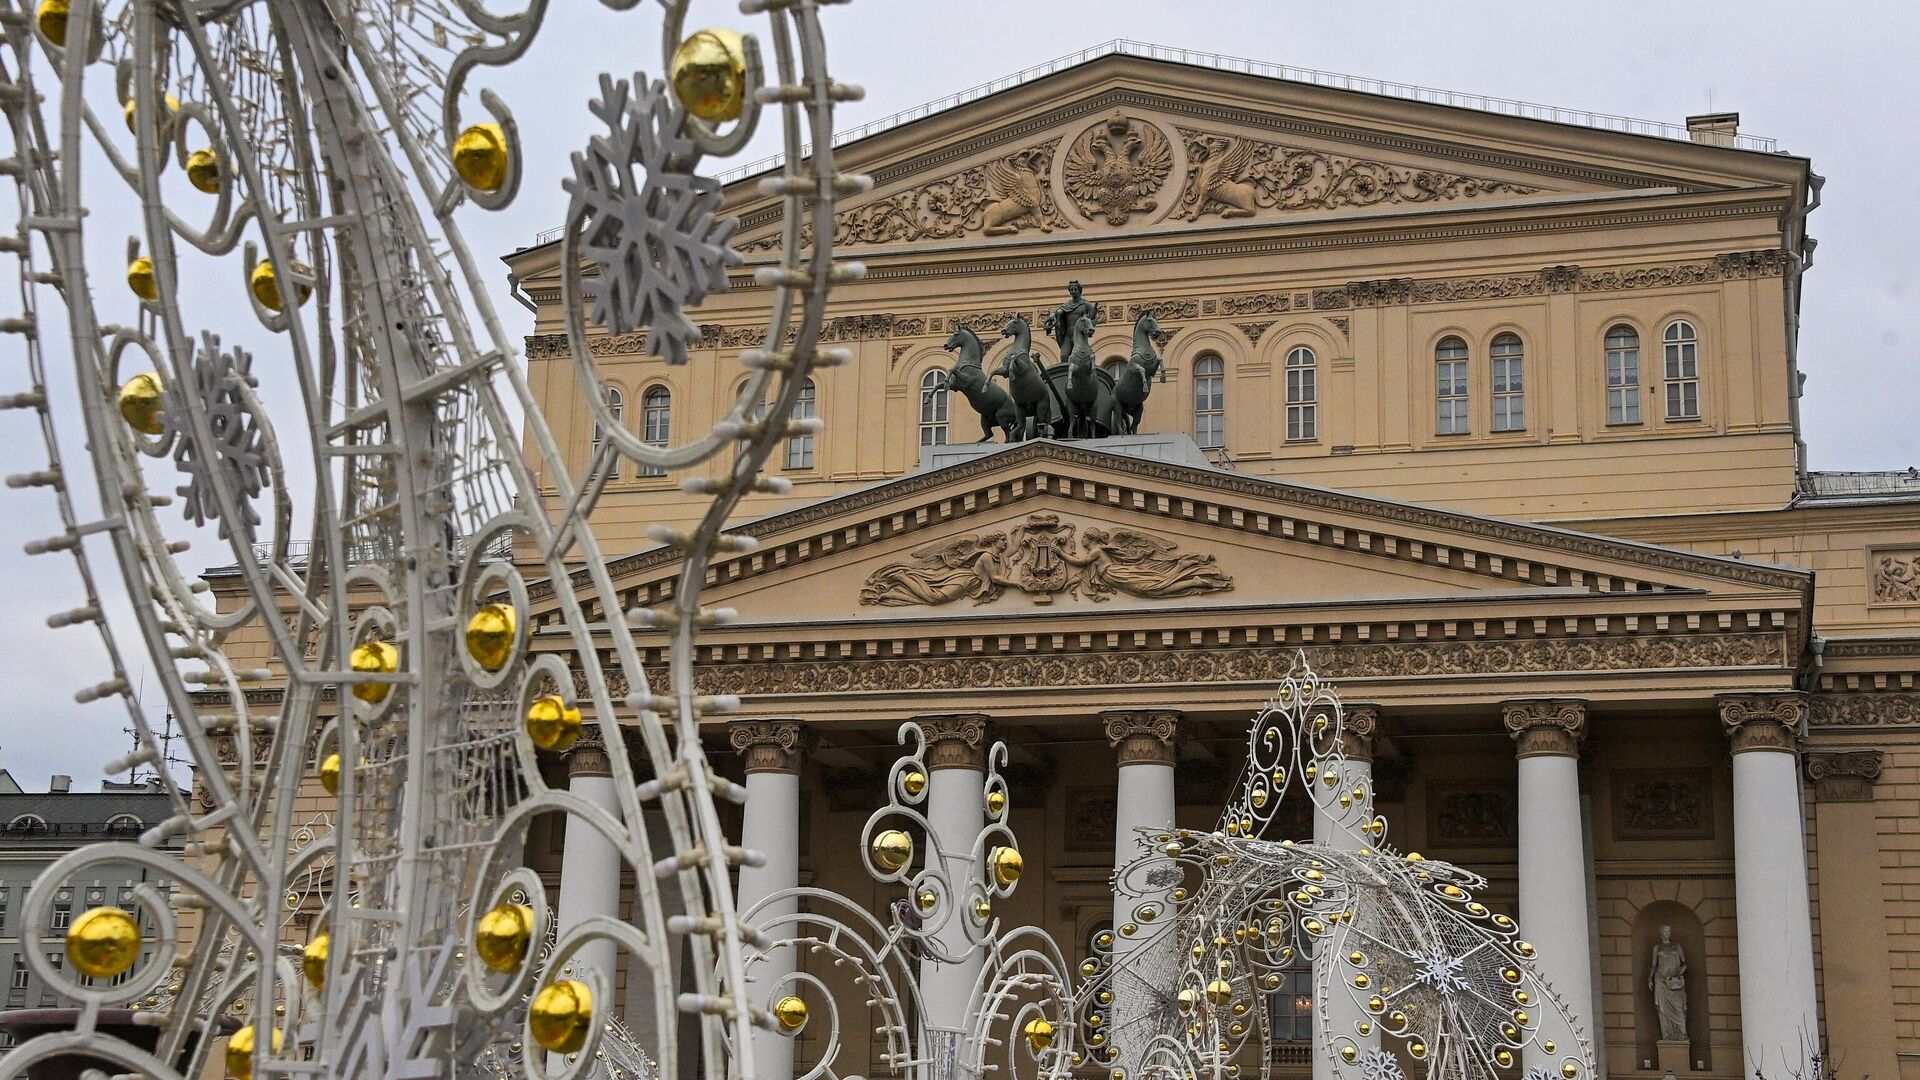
(1667, 978)
(1060, 322)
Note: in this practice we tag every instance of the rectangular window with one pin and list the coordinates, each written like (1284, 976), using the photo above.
(933, 410)
(3, 911)
(800, 447)
(1623, 377)
(62, 915)
(19, 973)
(1210, 403)
(1450, 415)
(1303, 395)
(1509, 384)
(1293, 1006)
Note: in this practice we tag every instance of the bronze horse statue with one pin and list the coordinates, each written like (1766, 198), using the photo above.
(1040, 404)
(1134, 381)
(1092, 411)
(995, 406)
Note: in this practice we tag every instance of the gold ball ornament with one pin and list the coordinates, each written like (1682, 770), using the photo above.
(561, 1015)
(139, 403)
(240, 1051)
(1187, 998)
(709, 75)
(266, 286)
(1219, 991)
(166, 122)
(481, 157)
(51, 18)
(501, 937)
(103, 942)
(552, 724)
(1569, 1070)
(203, 170)
(330, 774)
(1007, 865)
(913, 782)
(892, 850)
(926, 900)
(983, 909)
(996, 801)
(490, 635)
(141, 279)
(373, 658)
(791, 1012)
(313, 959)
(1039, 1033)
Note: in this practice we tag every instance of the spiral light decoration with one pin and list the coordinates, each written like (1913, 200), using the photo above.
(324, 151)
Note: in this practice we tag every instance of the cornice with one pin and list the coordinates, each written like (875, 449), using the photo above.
(1127, 479)
(1839, 712)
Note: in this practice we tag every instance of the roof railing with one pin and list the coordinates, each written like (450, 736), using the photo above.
(1219, 62)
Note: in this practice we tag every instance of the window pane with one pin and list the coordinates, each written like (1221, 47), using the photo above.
(1209, 402)
(800, 447)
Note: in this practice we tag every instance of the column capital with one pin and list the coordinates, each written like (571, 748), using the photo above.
(588, 754)
(955, 740)
(1843, 775)
(1546, 726)
(1764, 721)
(1143, 736)
(774, 745)
(1359, 721)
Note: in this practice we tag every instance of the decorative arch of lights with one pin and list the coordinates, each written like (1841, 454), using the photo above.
(322, 152)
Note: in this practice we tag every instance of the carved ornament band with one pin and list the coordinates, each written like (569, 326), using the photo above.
(1843, 775)
(772, 745)
(1550, 726)
(955, 740)
(1143, 736)
(1764, 721)
(1358, 723)
(588, 755)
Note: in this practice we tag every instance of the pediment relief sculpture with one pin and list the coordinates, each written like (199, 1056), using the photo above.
(1006, 195)
(1044, 558)
(1116, 168)
(1232, 176)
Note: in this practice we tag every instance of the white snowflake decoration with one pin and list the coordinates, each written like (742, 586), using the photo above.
(645, 222)
(1441, 972)
(222, 380)
(1381, 1065)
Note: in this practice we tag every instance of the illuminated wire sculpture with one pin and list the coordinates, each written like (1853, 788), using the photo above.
(1409, 969)
(322, 150)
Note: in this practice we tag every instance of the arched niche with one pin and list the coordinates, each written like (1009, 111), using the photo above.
(1692, 939)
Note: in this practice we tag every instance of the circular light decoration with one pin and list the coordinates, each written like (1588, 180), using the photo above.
(791, 1013)
(374, 658)
(139, 402)
(1039, 1033)
(480, 156)
(501, 937)
(203, 170)
(240, 1051)
(561, 1015)
(141, 280)
(709, 75)
(266, 286)
(313, 959)
(103, 942)
(490, 635)
(913, 782)
(892, 849)
(330, 774)
(552, 724)
(1007, 865)
(51, 18)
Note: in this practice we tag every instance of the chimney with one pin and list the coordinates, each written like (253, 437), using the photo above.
(60, 784)
(1714, 129)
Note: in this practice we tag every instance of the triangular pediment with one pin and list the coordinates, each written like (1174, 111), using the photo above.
(1047, 528)
(1126, 144)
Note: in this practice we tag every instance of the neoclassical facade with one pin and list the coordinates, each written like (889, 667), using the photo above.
(1493, 419)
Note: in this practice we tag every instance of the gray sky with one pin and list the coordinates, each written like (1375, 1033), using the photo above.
(1833, 82)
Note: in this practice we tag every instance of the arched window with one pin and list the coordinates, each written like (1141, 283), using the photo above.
(1210, 402)
(933, 409)
(1507, 359)
(656, 419)
(1450, 388)
(615, 402)
(1303, 394)
(1681, 344)
(1623, 375)
(800, 447)
(27, 823)
(125, 823)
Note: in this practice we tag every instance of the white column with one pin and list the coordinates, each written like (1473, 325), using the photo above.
(775, 751)
(956, 805)
(1779, 1029)
(1338, 827)
(1143, 799)
(590, 865)
(1553, 868)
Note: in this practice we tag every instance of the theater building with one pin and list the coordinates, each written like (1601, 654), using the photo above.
(1490, 412)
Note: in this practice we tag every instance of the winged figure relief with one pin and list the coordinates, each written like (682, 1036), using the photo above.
(1019, 194)
(1219, 178)
(1128, 561)
(1116, 167)
(949, 570)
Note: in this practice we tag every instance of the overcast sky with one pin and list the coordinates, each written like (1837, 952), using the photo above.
(1834, 82)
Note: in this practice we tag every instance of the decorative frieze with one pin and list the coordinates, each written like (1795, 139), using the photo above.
(1548, 726)
(1253, 330)
(955, 740)
(1091, 813)
(1764, 721)
(1864, 710)
(1143, 736)
(772, 745)
(1471, 813)
(1896, 577)
(1662, 804)
(1844, 775)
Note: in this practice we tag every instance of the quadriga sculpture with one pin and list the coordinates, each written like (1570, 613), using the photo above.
(995, 406)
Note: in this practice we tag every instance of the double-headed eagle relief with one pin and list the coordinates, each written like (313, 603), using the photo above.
(1114, 169)
(1042, 559)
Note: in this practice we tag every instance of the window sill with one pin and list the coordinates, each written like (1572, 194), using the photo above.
(1683, 419)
